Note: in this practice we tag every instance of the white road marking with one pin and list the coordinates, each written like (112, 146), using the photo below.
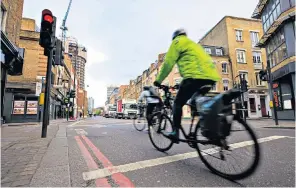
(81, 132)
(75, 123)
(100, 173)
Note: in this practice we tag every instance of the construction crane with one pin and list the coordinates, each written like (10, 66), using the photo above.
(63, 27)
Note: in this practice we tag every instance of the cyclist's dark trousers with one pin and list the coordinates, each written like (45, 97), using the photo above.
(149, 110)
(187, 88)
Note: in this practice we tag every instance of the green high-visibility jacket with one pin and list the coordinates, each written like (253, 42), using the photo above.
(191, 59)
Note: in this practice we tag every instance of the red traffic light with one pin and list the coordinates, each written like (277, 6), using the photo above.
(47, 16)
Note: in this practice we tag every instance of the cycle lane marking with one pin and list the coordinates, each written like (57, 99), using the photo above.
(119, 178)
(91, 164)
(100, 173)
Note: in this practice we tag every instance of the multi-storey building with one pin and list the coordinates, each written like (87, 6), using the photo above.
(110, 89)
(11, 55)
(91, 105)
(278, 20)
(79, 57)
(121, 91)
(238, 38)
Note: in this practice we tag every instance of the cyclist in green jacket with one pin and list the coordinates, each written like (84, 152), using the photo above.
(195, 66)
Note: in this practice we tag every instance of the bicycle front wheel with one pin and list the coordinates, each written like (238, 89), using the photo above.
(222, 161)
(160, 122)
(140, 123)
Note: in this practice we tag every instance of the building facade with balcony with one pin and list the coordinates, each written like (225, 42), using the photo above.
(238, 38)
(278, 21)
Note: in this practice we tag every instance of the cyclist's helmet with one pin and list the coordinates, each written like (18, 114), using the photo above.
(178, 33)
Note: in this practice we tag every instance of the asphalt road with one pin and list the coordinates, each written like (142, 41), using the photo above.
(96, 144)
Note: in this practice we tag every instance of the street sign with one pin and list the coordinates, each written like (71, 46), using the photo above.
(41, 99)
(38, 88)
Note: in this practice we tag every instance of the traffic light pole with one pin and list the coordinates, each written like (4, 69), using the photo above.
(45, 121)
(270, 81)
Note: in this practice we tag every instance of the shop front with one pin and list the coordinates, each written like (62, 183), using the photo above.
(283, 91)
(12, 59)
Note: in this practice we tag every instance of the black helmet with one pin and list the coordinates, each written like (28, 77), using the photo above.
(146, 88)
(179, 32)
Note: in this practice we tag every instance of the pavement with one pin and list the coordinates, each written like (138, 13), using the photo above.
(101, 152)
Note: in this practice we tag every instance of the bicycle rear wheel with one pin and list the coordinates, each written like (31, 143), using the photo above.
(140, 123)
(160, 122)
(210, 156)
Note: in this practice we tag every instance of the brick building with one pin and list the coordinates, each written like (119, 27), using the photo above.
(27, 87)
(238, 38)
(11, 55)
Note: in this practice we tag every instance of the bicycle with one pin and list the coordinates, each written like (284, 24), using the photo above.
(193, 139)
(140, 121)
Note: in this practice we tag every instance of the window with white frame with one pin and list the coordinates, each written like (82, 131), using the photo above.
(258, 80)
(257, 58)
(244, 75)
(224, 68)
(219, 52)
(208, 50)
(254, 37)
(225, 85)
(214, 88)
(241, 56)
(239, 35)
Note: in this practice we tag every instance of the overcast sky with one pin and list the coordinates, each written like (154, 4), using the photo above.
(124, 36)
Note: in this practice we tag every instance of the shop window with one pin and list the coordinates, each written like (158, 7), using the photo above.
(252, 105)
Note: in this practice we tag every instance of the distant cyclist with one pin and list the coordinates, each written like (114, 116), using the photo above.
(195, 66)
(152, 100)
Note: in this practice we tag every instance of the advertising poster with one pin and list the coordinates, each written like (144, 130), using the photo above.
(18, 111)
(18, 107)
(19, 104)
(32, 107)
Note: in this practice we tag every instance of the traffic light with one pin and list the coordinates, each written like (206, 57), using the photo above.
(59, 53)
(47, 31)
(72, 94)
(263, 75)
(244, 85)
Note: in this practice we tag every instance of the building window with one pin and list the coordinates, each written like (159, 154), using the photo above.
(254, 38)
(258, 80)
(219, 52)
(252, 105)
(244, 75)
(208, 50)
(257, 58)
(214, 88)
(241, 56)
(277, 49)
(239, 35)
(3, 18)
(224, 68)
(225, 85)
(271, 13)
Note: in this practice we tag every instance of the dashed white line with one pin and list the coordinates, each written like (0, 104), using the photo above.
(100, 173)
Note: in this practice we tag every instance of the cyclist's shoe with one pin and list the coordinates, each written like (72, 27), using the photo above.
(174, 136)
